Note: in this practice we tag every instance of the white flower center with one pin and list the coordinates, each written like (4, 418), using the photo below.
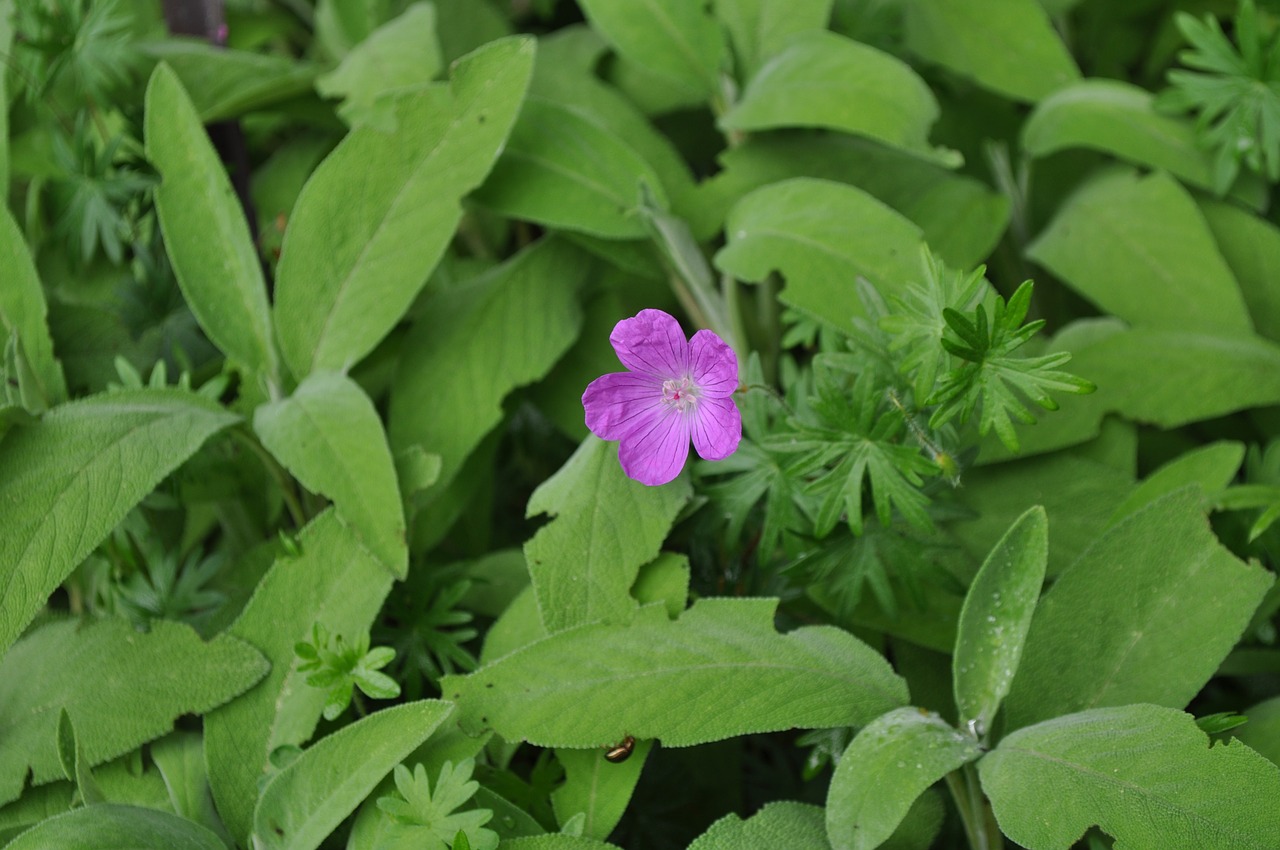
(680, 393)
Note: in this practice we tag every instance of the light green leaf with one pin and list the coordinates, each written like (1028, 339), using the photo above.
(592, 685)
(674, 39)
(180, 759)
(329, 436)
(885, 768)
(75, 764)
(348, 271)
(1262, 732)
(995, 618)
(1144, 774)
(1211, 466)
(401, 54)
(102, 669)
(664, 579)
(1007, 46)
(556, 841)
(229, 83)
(585, 560)
(476, 342)
(1146, 615)
(759, 29)
(23, 309)
(334, 582)
(565, 169)
(82, 468)
(826, 80)
(308, 799)
(205, 232)
(518, 626)
(779, 826)
(821, 236)
(111, 826)
(1251, 246)
(6, 44)
(961, 218)
(1139, 249)
(597, 788)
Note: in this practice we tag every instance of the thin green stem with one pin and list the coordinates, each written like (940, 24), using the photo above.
(957, 785)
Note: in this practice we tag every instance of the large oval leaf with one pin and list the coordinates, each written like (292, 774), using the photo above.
(111, 826)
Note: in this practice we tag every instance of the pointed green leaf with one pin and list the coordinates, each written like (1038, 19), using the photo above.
(1146, 615)
(335, 582)
(112, 826)
(23, 309)
(597, 787)
(1251, 246)
(826, 80)
(205, 232)
(348, 271)
(605, 526)
(760, 29)
(591, 685)
(6, 43)
(1139, 249)
(1212, 467)
(226, 83)
(180, 759)
(675, 39)
(328, 435)
(995, 618)
(805, 229)
(556, 841)
(1008, 46)
(75, 764)
(68, 479)
(308, 799)
(104, 666)
(885, 768)
(1144, 774)
(778, 826)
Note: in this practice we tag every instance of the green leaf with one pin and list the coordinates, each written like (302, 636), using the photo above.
(103, 667)
(592, 685)
(1144, 774)
(478, 341)
(995, 618)
(1139, 249)
(805, 229)
(6, 45)
(329, 436)
(556, 841)
(563, 168)
(826, 80)
(308, 799)
(335, 582)
(228, 83)
(75, 765)
(1262, 732)
(180, 759)
(1146, 615)
(674, 39)
(1212, 467)
(1007, 46)
(1251, 246)
(759, 29)
(886, 767)
(401, 54)
(348, 271)
(779, 826)
(83, 467)
(585, 560)
(23, 309)
(664, 579)
(205, 231)
(112, 826)
(597, 788)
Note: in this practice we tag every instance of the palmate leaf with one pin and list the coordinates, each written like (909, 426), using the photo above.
(757, 477)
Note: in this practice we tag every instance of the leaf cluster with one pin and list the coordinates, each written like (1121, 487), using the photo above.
(339, 667)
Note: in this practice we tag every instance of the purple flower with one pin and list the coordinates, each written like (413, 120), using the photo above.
(677, 390)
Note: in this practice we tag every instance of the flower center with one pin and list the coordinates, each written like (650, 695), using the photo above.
(680, 393)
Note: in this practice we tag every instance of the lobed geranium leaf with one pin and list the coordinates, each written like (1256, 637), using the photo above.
(1146, 615)
(597, 788)
(83, 466)
(1139, 249)
(822, 79)
(205, 232)
(307, 800)
(121, 688)
(110, 826)
(675, 40)
(778, 826)
(1144, 774)
(348, 271)
(995, 618)
(885, 769)
(592, 685)
(759, 29)
(329, 436)
(605, 526)
(336, 582)
(1008, 46)
(804, 229)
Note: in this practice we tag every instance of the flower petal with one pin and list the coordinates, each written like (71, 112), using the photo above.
(713, 365)
(620, 401)
(717, 428)
(655, 454)
(651, 342)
